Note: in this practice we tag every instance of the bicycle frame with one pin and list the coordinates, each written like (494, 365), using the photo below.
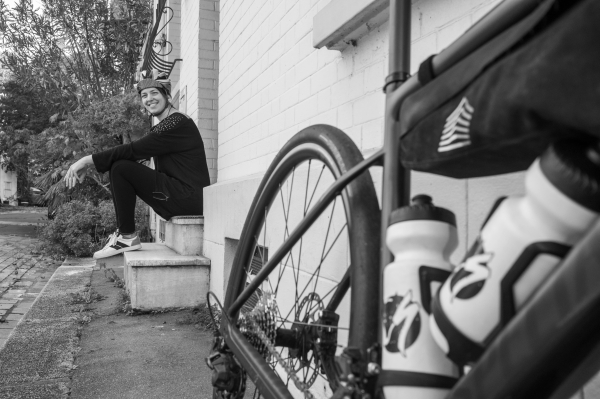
(396, 193)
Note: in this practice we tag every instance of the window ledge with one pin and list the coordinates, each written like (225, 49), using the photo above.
(342, 22)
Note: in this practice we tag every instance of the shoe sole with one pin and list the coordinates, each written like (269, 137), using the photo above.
(119, 251)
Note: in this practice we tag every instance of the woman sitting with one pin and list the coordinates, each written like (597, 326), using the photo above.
(174, 188)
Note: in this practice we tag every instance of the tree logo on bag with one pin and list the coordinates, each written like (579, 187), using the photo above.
(456, 130)
(470, 277)
(402, 322)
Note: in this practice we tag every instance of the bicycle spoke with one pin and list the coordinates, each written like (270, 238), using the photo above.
(325, 243)
(316, 185)
(321, 264)
(286, 235)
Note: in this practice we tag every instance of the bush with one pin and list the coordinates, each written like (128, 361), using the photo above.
(80, 228)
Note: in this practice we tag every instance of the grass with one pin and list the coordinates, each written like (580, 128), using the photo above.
(201, 318)
(85, 298)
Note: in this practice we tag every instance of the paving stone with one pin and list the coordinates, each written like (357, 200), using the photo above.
(9, 324)
(21, 309)
(24, 284)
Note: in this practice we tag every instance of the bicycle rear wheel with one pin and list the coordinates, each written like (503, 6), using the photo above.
(329, 277)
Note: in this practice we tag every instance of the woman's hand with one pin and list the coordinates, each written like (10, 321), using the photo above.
(77, 171)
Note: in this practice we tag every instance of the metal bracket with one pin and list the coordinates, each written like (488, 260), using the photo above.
(395, 77)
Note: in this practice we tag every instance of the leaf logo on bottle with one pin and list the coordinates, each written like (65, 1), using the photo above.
(402, 322)
(470, 277)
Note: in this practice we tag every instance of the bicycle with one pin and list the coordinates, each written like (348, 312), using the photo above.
(321, 338)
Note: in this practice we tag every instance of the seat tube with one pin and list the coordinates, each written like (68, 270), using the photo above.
(396, 179)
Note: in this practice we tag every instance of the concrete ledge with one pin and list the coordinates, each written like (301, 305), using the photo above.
(156, 255)
(188, 220)
(184, 234)
(156, 277)
(341, 22)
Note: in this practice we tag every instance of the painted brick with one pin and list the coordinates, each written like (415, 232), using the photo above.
(207, 83)
(307, 109)
(372, 134)
(207, 93)
(345, 116)
(324, 100)
(303, 90)
(208, 24)
(374, 77)
(323, 78)
(340, 92)
(208, 54)
(369, 107)
(207, 5)
(451, 32)
(306, 67)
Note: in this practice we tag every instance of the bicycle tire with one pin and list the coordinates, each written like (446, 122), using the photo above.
(334, 151)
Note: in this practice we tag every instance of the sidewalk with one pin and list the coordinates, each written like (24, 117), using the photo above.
(75, 342)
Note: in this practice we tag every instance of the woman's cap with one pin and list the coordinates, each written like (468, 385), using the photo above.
(156, 79)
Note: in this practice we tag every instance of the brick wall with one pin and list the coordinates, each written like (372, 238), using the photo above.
(273, 83)
(199, 71)
(208, 80)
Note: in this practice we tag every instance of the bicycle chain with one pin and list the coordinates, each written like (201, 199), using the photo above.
(286, 365)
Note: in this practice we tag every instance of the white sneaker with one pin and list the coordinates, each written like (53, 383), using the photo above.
(117, 244)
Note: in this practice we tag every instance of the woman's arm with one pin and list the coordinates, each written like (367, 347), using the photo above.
(77, 171)
(170, 136)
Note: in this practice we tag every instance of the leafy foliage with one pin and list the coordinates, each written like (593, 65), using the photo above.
(74, 51)
(80, 228)
(20, 107)
(70, 66)
(100, 126)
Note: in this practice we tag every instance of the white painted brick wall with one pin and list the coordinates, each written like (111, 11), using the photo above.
(199, 38)
(269, 67)
(273, 83)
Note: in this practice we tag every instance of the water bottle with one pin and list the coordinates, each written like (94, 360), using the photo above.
(522, 242)
(422, 237)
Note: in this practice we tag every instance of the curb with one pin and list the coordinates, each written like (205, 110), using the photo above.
(38, 357)
(23, 223)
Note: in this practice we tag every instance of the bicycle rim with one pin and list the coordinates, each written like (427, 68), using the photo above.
(313, 276)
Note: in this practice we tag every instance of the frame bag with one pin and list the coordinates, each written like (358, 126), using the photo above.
(496, 110)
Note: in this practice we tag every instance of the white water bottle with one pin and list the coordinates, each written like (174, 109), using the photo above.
(422, 237)
(523, 241)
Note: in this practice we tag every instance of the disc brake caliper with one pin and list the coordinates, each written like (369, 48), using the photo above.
(228, 377)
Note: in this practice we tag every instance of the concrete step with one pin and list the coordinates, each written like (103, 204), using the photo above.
(183, 234)
(157, 277)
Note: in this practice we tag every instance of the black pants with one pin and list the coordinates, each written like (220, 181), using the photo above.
(129, 179)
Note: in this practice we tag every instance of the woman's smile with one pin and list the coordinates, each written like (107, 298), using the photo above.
(153, 100)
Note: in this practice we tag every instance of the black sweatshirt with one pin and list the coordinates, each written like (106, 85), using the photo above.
(178, 151)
